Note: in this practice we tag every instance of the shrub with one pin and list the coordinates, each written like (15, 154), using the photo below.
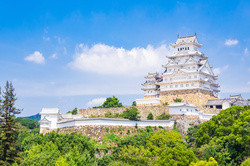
(163, 117)
(150, 116)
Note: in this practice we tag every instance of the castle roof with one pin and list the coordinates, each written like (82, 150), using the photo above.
(187, 40)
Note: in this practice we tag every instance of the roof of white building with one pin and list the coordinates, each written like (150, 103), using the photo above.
(187, 40)
(181, 104)
(50, 111)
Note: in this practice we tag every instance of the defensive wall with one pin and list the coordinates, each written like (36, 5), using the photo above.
(144, 111)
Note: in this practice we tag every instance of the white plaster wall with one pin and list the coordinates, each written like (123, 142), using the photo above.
(181, 110)
(108, 122)
(53, 118)
(226, 105)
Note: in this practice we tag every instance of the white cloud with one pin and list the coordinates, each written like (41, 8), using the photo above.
(53, 56)
(248, 82)
(96, 102)
(231, 42)
(246, 52)
(104, 59)
(36, 57)
(46, 38)
(219, 70)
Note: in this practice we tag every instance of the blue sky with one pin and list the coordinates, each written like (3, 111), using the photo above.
(75, 53)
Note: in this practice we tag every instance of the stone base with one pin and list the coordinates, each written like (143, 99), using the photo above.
(197, 97)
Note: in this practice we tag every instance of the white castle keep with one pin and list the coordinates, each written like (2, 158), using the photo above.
(187, 75)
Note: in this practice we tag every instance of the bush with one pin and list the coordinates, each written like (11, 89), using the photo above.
(131, 114)
(150, 116)
(177, 100)
(163, 117)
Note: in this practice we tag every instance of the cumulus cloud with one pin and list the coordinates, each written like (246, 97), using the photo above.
(231, 42)
(219, 70)
(53, 56)
(36, 57)
(105, 59)
(96, 102)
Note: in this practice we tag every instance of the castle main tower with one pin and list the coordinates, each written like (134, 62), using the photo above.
(187, 75)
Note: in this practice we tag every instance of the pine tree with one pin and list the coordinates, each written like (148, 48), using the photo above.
(8, 126)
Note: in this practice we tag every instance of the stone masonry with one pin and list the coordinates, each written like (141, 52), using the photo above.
(144, 111)
(197, 97)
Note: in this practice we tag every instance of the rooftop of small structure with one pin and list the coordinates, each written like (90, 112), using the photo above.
(50, 111)
(181, 104)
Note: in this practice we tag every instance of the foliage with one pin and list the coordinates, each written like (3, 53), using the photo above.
(35, 117)
(111, 115)
(178, 155)
(134, 103)
(150, 116)
(246, 162)
(163, 116)
(8, 126)
(210, 162)
(29, 123)
(97, 106)
(178, 100)
(166, 103)
(74, 111)
(226, 136)
(134, 155)
(112, 102)
(41, 155)
(131, 113)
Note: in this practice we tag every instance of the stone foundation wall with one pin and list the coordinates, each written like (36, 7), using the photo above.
(197, 97)
(99, 132)
(144, 111)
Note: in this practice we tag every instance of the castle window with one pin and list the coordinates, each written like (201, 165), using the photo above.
(187, 85)
(176, 86)
(171, 86)
(178, 49)
(181, 85)
(192, 84)
(189, 77)
(195, 76)
(188, 48)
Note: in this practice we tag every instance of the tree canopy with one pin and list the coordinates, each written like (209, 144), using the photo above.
(225, 137)
(112, 102)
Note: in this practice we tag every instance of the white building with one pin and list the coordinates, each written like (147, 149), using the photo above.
(51, 119)
(233, 100)
(184, 108)
(186, 72)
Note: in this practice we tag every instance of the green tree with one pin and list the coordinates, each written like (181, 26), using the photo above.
(150, 116)
(74, 111)
(226, 136)
(246, 162)
(134, 103)
(112, 102)
(178, 155)
(38, 155)
(29, 123)
(136, 156)
(210, 162)
(131, 113)
(8, 126)
(178, 100)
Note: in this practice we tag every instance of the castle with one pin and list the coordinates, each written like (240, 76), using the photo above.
(187, 75)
